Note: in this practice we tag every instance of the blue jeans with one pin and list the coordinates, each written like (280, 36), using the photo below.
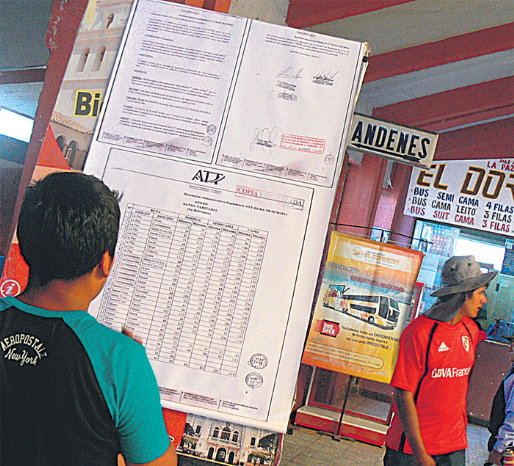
(397, 458)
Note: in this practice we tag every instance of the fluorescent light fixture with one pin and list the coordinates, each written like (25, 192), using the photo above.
(14, 125)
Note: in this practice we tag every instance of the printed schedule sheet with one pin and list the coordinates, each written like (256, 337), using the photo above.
(186, 286)
(221, 236)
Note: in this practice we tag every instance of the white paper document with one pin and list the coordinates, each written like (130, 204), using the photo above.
(286, 116)
(226, 138)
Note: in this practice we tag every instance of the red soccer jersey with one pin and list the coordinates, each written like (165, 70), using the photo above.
(442, 385)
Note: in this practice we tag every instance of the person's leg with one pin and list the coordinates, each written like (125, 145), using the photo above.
(396, 458)
(455, 458)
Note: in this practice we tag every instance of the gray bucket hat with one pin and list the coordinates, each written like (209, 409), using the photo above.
(460, 274)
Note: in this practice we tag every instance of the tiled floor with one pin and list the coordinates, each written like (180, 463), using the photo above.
(306, 447)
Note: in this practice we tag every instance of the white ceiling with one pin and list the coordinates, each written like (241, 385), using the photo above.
(22, 98)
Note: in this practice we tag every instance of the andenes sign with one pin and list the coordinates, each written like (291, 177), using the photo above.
(476, 194)
(396, 142)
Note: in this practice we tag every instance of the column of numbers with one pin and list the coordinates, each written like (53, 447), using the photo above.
(162, 232)
(186, 285)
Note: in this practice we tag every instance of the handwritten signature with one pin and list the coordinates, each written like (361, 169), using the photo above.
(290, 96)
(325, 77)
(290, 72)
(264, 138)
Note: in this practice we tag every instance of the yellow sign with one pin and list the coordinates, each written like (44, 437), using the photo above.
(363, 306)
(87, 103)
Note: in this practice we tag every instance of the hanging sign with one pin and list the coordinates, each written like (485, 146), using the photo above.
(476, 194)
(362, 308)
(392, 141)
(508, 259)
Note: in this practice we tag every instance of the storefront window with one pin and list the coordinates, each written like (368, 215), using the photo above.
(439, 242)
(484, 252)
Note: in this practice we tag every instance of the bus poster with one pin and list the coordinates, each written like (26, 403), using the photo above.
(362, 307)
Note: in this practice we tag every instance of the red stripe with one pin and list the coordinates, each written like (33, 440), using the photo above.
(209, 4)
(488, 141)
(304, 13)
(449, 109)
(450, 50)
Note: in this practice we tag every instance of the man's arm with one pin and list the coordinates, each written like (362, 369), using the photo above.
(505, 435)
(495, 457)
(410, 423)
(169, 458)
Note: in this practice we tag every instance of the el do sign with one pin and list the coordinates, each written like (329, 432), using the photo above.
(386, 139)
(472, 193)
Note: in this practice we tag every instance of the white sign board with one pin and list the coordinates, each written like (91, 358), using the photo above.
(226, 137)
(476, 194)
(390, 140)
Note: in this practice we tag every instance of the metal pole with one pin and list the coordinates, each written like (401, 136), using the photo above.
(337, 435)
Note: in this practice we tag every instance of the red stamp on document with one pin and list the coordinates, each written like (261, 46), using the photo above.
(302, 143)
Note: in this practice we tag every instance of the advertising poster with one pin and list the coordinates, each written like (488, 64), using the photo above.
(476, 194)
(363, 305)
(226, 199)
(220, 442)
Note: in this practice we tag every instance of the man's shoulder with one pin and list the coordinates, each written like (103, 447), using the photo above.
(470, 325)
(5, 303)
(417, 333)
(102, 341)
(420, 324)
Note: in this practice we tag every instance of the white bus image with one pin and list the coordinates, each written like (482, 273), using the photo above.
(381, 311)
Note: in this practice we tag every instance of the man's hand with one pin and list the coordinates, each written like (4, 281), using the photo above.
(495, 457)
(131, 334)
(424, 460)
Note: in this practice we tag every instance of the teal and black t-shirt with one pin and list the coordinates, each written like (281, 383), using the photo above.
(74, 392)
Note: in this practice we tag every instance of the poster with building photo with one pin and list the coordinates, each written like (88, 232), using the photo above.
(213, 441)
(72, 125)
(363, 305)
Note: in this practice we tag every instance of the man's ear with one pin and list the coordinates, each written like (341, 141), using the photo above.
(106, 264)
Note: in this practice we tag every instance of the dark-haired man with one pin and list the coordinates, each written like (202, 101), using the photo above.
(437, 353)
(72, 391)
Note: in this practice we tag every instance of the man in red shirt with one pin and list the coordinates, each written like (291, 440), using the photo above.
(437, 352)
